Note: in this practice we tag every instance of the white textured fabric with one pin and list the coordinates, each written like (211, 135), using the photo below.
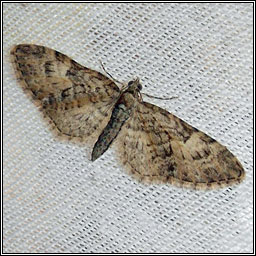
(56, 200)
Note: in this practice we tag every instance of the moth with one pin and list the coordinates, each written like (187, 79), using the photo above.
(154, 145)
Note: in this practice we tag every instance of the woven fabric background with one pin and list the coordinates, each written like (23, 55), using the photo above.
(57, 201)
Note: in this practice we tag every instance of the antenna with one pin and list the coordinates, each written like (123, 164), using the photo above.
(159, 98)
(108, 73)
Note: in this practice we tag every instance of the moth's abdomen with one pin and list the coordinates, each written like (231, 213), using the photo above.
(119, 115)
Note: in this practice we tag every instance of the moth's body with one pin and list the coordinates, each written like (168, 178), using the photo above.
(120, 114)
(153, 144)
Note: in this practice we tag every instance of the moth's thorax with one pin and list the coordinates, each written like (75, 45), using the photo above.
(132, 93)
(129, 98)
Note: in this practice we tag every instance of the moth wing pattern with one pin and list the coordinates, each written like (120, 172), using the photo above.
(158, 147)
(154, 145)
(75, 100)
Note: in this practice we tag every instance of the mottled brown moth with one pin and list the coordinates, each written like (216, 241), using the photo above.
(84, 105)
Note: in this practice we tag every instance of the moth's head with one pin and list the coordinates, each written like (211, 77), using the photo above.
(134, 85)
